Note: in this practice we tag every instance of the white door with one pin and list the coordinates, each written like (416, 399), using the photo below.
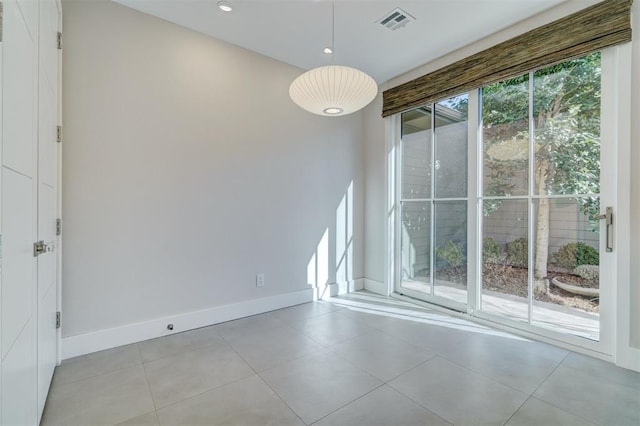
(19, 212)
(47, 195)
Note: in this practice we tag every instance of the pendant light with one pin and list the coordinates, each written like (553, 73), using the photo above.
(334, 89)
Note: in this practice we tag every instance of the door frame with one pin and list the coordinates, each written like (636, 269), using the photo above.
(624, 355)
(59, 196)
(1, 158)
(615, 324)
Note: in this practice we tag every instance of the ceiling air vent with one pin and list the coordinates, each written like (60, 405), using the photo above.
(395, 19)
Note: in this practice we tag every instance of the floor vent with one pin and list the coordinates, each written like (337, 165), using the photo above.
(395, 19)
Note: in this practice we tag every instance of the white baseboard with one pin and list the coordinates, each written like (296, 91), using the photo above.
(334, 289)
(344, 287)
(132, 333)
(376, 287)
(628, 358)
(358, 284)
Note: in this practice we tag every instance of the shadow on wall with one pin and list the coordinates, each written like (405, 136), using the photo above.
(332, 275)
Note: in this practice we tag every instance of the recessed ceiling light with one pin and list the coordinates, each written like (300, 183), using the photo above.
(225, 6)
(328, 50)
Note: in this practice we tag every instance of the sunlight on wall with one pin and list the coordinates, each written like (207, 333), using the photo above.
(322, 255)
(321, 272)
(318, 266)
(312, 278)
(344, 242)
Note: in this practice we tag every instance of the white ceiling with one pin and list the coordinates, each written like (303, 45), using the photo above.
(296, 31)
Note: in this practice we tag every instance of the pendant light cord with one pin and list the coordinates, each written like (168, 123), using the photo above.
(333, 32)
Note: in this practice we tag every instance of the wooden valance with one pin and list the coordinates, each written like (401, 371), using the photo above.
(602, 25)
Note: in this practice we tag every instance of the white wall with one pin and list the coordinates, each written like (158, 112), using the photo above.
(635, 178)
(375, 155)
(375, 220)
(187, 170)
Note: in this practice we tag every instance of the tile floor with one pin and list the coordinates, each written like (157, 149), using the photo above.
(354, 360)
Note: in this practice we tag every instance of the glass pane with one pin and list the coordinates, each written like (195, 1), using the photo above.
(505, 133)
(416, 242)
(566, 110)
(451, 250)
(505, 258)
(451, 147)
(416, 154)
(416, 120)
(567, 283)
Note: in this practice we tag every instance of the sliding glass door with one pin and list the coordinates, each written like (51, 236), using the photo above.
(541, 159)
(433, 202)
(505, 216)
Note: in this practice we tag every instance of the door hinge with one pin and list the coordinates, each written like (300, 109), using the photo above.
(59, 40)
(58, 319)
(59, 134)
(58, 226)
(39, 248)
(1, 22)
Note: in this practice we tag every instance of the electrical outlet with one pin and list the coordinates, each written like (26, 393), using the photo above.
(260, 280)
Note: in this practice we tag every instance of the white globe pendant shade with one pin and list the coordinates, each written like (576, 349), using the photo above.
(333, 90)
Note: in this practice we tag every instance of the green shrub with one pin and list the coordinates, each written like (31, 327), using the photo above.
(575, 254)
(451, 252)
(491, 251)
(518, 252)
(588, 272)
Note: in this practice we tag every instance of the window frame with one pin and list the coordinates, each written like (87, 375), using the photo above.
(616, 101)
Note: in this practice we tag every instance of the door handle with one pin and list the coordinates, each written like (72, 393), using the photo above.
(40, 247)
(608, 217)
